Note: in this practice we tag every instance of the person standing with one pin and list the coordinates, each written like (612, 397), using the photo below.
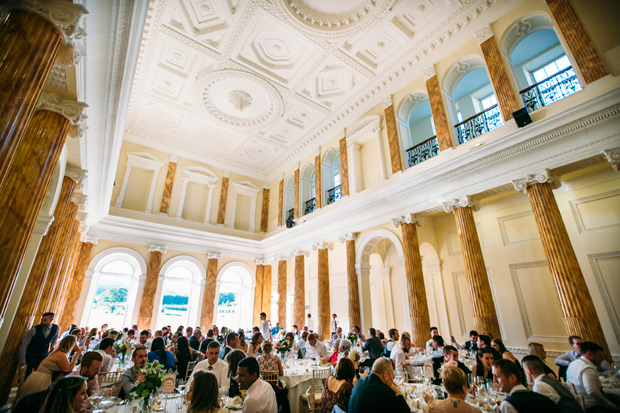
(333, 326)
(310, 323)
(264, 327)
(37, 343)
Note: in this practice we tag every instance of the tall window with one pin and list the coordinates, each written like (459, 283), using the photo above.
(331, 176)
(307, 190)
(234, 296)
(113, 290)
(289, 201)
(418, 129)
(180, 293)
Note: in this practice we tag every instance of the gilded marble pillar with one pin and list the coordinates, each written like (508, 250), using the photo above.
(502, 85)
(299, 304)
(147, 305)
(258, 292)
(266, 302)
(23, 192)
(580, 317)
(392, 133)
(65, 264)
(440, 119)
(324, 314)
(264, 213)
(344, 167)
(69, 272)
(75, 288)
(207, 318)
(481, 297)
(26, 311)
(355, 315)
(165, 199)
(318, 182)
(281, 203)
(296, 198)
(282, 270)
(221, 212)
(416, 291)
(579, 43)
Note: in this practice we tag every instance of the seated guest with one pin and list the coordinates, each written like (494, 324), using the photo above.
(484, 341)
(301, 344)
(106, 349)
(377, 392)
(160, 354)
(232, 341)
(583, 375)
(537, 349)
(189, 331)
(333, 359)
(203, 393)
(129, 376)
(437, 346)
(429, 343)
(471, 345)
(360, 337)
(144, 340)
(89, 369)
(184, 355)
(233, 358)
(499, 346)
(387, 350)
(344, 348)
(204, 344)
(553, 389)
(565, 359)
(213, 364)
(254, 346)
(484, 364)
(194, 341)
(67, 395)
(269, 361)
(455, 382)
(373, 346)
(399, 354)
(337, 388)
(451, 359)
(520, 399)
(243, 344)
(259, 396)
(355, 357)
(316, 349)
(337, 335)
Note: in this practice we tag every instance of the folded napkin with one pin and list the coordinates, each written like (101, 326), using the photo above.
(234, 403)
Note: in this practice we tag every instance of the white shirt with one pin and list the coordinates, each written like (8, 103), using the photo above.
(582, 373)
(107, 363)
(333, 325)
(506, 407)
(318, 349)
(398, 357)
(390, 345)
(545, 389)
(220, 369)
(429, 345)
(264, 330)
(310, 324)
(260, 398)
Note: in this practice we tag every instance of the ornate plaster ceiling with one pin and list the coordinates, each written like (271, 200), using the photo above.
(254, 85)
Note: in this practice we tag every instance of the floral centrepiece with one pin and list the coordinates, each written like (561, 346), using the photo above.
(352, 337)
(122, 348)
(148, 381)
(283, 348)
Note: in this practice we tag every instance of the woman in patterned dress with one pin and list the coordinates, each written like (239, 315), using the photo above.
(337, 388)
(269, 361)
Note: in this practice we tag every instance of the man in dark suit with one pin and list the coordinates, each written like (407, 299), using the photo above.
(37, 342)
(373, 346)
(377, 392)
(232, 341)
(471, 345)
(194, 341)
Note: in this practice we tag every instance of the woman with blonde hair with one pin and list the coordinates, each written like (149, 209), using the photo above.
(538, 350)
(203, 394)
(57, 361)
(269, 361)
(243, 344)
(455, 383)
(67, 395)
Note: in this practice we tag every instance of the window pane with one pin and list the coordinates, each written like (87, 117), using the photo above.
(563, 62)
(336, 180)
(118, 267)
(175, 302)
(228, 309)
(110, 302)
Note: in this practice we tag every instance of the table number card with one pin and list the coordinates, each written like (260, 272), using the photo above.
(167, 383)
(428, 370)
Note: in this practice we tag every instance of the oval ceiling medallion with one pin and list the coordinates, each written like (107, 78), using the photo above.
(238, 98)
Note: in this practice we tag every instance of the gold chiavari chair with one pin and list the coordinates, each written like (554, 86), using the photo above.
(311, 401)
(270, 376)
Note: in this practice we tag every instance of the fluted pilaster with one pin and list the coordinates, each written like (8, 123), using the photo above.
(207, 317)
(264, 214)
(440, 119)
(165, 199)
(65, 260)
(221, 212)
(147, 304)
(355, 315)
(296, 197)
(281, 203)
(318, 182)
(299, 317)
(392, 134)
(324, 314)
(282, 276)
(258, 292)
(344, 167)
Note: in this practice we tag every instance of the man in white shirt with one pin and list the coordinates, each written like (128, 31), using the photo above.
(333, 326)
(213, 364)
(553, 389)
(259, 395)
(429, 344)
(265, 331)
(399, 355)
(582, 373)
(106, 349)
(314, 348)
(310, 323)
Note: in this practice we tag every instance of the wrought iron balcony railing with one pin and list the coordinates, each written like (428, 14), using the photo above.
(333, 195)
(310, 206)
(422, 151)
(551, 89)
(479, 124)
(290, 215)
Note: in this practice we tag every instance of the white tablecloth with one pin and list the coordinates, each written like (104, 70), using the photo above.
(297, 378)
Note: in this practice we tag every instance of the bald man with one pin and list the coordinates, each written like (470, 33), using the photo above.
(377, 392)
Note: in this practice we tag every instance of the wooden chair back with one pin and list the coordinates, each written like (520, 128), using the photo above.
(270, 376)
(190, 368)
(109, 378)
(578, 397)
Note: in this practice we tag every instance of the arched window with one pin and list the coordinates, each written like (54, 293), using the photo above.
(235, 286)
(417, 129)
(541, 68)
(473, 104)
(179, 292)
(114, 288)
(331, 176)
(289, 201)
(307, 189)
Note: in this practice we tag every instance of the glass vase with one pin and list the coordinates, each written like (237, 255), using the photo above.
(147, 403)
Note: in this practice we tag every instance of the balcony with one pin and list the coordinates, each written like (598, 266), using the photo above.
(422, 151)
(551, 89)
(290, 216)
(310, 206)
(479, 124)
(333, 195)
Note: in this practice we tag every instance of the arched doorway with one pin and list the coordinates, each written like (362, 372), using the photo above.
(235, 285)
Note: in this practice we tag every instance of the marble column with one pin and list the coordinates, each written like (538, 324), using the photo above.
(264, 213)
(221, 212)
(26, 311)
(31, 40)
(318, 181)
(281, 203)
(23, 192)
(344, 167)
(355, 316)
(79, 272)
(394, 144)
(145, 316)
(69, 271)
(207, 317)
(296, 197)
(165, 199)
(299, 303)
(481, 297)
(324, 313)
(266, 302)
(64, 272)
(416, 291)
(580, 317)
(282, 282)
(502, 86)
(355, 173)
(440, 119)
(258, 292)
(580, 45)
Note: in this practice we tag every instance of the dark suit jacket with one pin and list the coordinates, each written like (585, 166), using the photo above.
(370, 394)
(194, 343)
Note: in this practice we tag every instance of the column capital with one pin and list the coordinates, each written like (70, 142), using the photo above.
(79, 199)
(341, 133)
(362, 269)
(81, 216)
(157, 248)
(349, 236)
(462, 202)
(613, 157)
(428, 73)
(266, 185)
(484, 34)
(546, 176)
(70, 109)
(317, 151)
(214, 255)
(75, 173)
(88, 238)
(281, 257)
(226, 173)
(322, 245)
(83, 229)
(408, 219)
(387, 102)
(432, 267)
(353, 145)
(260, 261)
(297, 252)
(298, 165)
(174, 158)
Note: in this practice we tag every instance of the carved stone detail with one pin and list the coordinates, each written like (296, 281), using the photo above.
(428, 73)
(545, 176)
(79, 199)
(157, 248)
(75, 173)
(613, 157)
(484, 34)
(349, 236)
(214, 255)
(322, 245)
(408, 219)
(72, 110)
(463, 202)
